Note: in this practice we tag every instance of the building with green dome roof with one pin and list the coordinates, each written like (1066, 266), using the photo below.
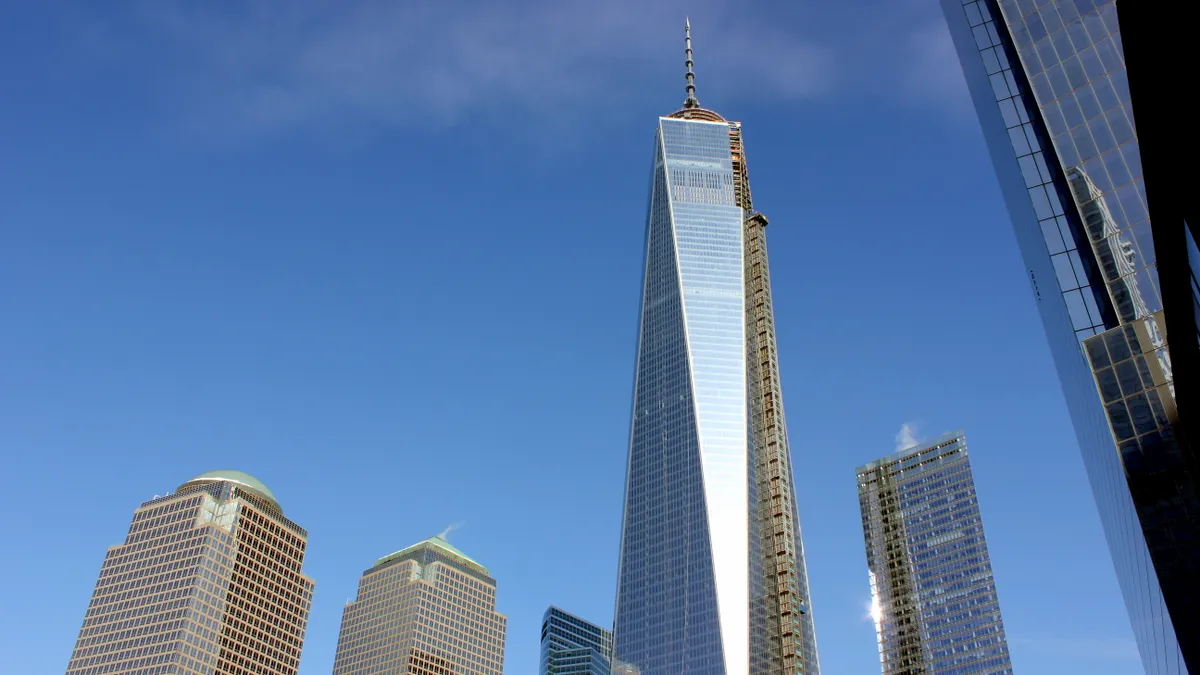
(190, 576)
(241, 478)
(426, 609)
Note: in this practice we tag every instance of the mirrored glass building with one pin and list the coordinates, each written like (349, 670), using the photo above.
(933, 597)
(1051, 88)
(711, 572)
(572, 646)
(208, 580)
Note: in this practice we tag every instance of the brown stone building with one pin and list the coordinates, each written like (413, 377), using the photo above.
(207, 582)
(426, 610)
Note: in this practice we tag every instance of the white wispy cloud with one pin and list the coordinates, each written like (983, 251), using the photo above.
(271, 66)
(907, 436)
(251, 67)
(445, 534)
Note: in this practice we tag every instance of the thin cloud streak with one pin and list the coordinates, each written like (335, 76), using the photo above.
(445, 534)
(239, 69)
(257, 67)
(906, 437)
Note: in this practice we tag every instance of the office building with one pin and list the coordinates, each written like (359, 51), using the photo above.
(425, 610)
(932, 593)
(1051, 88)
(207, 581)
(572, 646)
(711, 577)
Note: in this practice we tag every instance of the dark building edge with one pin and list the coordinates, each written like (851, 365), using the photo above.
(1158, 44)
(1119, 513)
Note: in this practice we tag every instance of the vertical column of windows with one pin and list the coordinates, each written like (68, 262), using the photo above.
(1073, 265)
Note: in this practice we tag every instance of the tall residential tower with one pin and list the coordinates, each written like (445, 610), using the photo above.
(711, 573)
(424, 610)
(1051, 88)
(207, 581)
(932, 593)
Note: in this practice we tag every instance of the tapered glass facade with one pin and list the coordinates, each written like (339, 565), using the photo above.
(1049, 83)
(711, 572)
(572, 646)
(683, 588)
(933, 596)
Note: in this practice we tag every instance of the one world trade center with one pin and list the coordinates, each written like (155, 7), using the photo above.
(712, 578)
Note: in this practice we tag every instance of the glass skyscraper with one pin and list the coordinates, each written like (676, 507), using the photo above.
(932, 593)
(572, 646)
(1050, 86)
(711, 572)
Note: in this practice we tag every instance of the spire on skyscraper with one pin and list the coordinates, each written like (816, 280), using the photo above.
(715, 496)
(691, 101)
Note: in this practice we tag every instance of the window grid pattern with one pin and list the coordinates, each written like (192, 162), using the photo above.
(708, 436)
(1071, 53)
(1067, 62)
(666, 618)
(708, 242)
(934, 597)
(1086, 300)
(421, 614)
(173, 598)
(572, 646)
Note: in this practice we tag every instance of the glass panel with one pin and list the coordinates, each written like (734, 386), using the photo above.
(1121, 128)
(1030, 171)
(1041, 203)
(1077, 310)
(1110, 390)
(1127, 375)
(1000, 86)
(1065, 273)
(1019, 143)
(1118, 417)
(1054, 242)
(1009, 112)
(1114, 163)
(1139, 412)
(1097, 354)
(1118, 349)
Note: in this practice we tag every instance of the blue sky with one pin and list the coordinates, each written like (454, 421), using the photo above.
(386, 257)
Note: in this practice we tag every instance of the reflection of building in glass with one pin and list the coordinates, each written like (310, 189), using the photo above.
(933, 597)
(1050, 87)
(424, 610)
(619, 668)
(712, 578)
(208, 580)
(1114, 251)
(572, 646)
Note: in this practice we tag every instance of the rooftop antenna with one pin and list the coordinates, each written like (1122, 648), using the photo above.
(691, 101)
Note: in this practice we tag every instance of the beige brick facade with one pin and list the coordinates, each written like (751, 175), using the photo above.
(208, 582)
(425, 610)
